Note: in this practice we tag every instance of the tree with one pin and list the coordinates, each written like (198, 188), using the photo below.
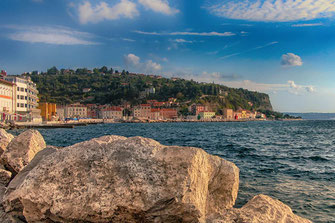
(104, 69)
(52, 71)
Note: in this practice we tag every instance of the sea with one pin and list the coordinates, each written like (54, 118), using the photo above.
(293, 161)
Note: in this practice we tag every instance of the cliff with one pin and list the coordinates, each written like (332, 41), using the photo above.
(130, 180)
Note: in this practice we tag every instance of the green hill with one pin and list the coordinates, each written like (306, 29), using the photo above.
(111, 87)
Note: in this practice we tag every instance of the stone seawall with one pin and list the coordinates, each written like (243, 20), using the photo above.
(119, 179)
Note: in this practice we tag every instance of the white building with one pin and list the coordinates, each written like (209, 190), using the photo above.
(72, 111)
(7, 99)
(26, 94)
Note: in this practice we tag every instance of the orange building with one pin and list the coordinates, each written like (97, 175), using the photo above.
(48, 110)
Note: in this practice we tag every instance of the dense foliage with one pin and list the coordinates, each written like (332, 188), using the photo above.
(112, 87)
(277, 115)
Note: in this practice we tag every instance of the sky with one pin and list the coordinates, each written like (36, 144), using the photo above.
(285, 48)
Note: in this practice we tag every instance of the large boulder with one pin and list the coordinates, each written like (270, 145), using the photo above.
(22, 149)
(5, 139)
(260, 209)
(118, 179)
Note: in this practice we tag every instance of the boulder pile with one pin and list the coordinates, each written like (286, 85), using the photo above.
(119, 179)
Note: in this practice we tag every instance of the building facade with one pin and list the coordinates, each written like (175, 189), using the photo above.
(113, 112)
(7, 99)
(206, 115)
(26, 93)
(228, 114)
(72, 111)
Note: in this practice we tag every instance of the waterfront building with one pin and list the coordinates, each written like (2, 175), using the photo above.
(26, 94)
(142, 111)
(155, 114)
(48, 111)
(7, 99)
(72, 111)
(206, 115)
(197, 108)
(228, 114)
(168, 113)
(113, 112)
(92, 111)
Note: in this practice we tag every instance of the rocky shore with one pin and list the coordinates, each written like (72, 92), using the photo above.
(119, 179)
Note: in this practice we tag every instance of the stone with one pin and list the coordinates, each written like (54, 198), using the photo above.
(5, 139)
(118, 179)
(22, 149)
(260, 209)
(5, 177)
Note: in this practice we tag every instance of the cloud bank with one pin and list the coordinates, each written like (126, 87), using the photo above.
(274, 10)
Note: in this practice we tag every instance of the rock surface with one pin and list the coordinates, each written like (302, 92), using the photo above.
(261, 209)
(5, 139)
(5, 177)
(22, 149)
(118, 179)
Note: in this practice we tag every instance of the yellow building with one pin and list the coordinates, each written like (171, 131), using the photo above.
(48, 110)
(206, 115)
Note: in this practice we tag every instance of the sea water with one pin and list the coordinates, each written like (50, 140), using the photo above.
(291, 161)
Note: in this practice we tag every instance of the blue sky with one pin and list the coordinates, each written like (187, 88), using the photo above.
(285, 48)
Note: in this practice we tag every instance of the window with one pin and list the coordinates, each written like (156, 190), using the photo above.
(25, 98)
(18, 97)
(26, 90)
(22, 97)
(18, 88)
(22, 105)
(18, 105)
(25, 105)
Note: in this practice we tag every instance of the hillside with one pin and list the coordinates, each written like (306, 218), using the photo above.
(107, 86)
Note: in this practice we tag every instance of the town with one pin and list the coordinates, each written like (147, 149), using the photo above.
(19, 103)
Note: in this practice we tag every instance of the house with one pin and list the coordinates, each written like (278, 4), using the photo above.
(228, 113)
(155, 114)
(113, 112)
(85, 90)
(142, 111)
(197, 108)
(206, 115)
(72, 111)
(168, 113)
(48, 111)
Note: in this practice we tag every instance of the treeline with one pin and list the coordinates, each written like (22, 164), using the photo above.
(109, 86)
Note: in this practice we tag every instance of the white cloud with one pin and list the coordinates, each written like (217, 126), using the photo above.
(50, 35)
(102, 11)
(161, 6)
(186, 33)
(307, 24)
(182, 41)
(310, 89)
(128, 40)
(291, 60)
(293, 85)
(274, 10)
(297, 89)
(152, 67)
(132, 60)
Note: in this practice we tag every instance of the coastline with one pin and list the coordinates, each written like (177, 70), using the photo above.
(73, 124)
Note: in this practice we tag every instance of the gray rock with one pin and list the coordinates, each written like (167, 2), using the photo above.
(22, 149)
(260, 209)
(115, 179)
(5, 139)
